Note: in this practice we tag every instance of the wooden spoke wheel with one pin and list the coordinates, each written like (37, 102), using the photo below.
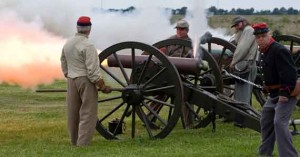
(136, 81)
(222, 51)
(209, 79)
(293, 44)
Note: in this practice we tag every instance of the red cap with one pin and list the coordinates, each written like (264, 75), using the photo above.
(260, 28)
(84, 21)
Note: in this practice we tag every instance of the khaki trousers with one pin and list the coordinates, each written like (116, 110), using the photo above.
(82, 99)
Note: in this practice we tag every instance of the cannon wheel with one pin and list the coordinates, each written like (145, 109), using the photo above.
(227, 50)
(292, 42)
(201, 117)
(223, 58)
(225, 64)
(133, 91)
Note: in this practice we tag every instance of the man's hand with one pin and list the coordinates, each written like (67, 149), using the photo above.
(283, 99)
(103, 88)
(100, 83)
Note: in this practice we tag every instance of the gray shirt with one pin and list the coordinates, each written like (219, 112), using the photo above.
(79, 58)
(246, 46)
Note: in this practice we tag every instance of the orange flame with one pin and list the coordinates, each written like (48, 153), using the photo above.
(29, 55)
(31, 75)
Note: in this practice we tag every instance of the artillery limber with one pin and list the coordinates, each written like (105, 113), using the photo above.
(157, 90)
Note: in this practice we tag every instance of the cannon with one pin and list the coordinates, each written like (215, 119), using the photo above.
(176, 86)
(170, 83)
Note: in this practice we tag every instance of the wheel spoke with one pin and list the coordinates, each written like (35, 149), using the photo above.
(209, 47)
(145, 120)
(122, 118)
(292, 46)
(228, 87)
(182, 51)
(221, 56)
(144, 69)
(189, 106)
(208, 87)
(206, 72)
(158, 101)
(158, 89)
(111, 112)
(132, 63)
(109, 99)
(155, 76)
(155, 113)
(121, 68)
(113, 76)
(133, 121)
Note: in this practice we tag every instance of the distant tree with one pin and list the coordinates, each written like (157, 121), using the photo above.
(183, 11)
(218, 11)
(212, 10)
(222, 12)
(276, 11)
(250, 11)
(130, 9)
(292, 11)
(233, 11)
(283, 10)
(264, 12)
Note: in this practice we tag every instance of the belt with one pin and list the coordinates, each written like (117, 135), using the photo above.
(271, 87)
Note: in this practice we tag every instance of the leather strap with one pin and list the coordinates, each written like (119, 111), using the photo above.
(271, 87)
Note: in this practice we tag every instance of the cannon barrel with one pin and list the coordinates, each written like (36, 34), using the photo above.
(183, 65)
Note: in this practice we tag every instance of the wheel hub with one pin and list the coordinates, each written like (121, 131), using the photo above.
(132, 94)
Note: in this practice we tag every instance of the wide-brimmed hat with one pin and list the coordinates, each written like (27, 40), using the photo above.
(182, 24)
(237, 20)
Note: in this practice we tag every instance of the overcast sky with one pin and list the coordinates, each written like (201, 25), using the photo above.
(224, 4)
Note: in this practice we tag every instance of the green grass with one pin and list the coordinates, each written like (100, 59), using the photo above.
(34, 124)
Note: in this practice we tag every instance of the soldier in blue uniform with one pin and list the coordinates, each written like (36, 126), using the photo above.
(280, 77)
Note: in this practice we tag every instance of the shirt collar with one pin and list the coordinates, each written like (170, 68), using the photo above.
(83, 35)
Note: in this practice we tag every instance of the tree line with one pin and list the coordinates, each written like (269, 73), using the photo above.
(216, 11)
(251, 11)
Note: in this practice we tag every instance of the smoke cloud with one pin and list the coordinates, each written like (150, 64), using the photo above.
(33, 33)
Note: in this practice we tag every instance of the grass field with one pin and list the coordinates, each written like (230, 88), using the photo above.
(34, 124)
